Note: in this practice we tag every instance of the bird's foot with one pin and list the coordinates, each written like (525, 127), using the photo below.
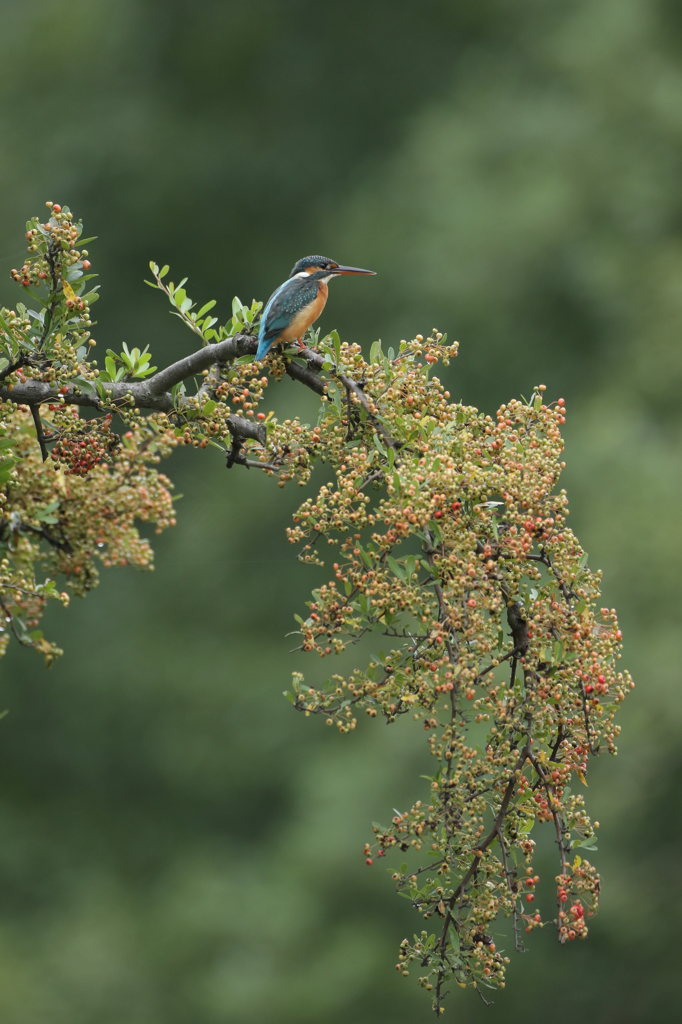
(301, 344)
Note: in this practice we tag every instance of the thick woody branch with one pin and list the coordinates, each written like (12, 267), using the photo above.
(153, 393)
(156, 392)
(203, 359)
(307, 374)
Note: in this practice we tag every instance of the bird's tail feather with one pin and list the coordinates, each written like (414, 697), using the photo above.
(263, 348)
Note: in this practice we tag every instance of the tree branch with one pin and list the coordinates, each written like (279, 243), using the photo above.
(153, 393)
(35, 412)
(306, 376)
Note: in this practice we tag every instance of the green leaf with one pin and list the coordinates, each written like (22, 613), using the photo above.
(336, 341)
(289, 696)
(397, 569)
(46, 514)
(375, 353)
(379, 446)
(585, 844)
(6, 467)
(164, 270)
(205, 309)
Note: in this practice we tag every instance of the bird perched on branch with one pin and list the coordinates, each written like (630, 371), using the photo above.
(299, 301)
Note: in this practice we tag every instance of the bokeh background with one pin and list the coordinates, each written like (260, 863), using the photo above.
(177, 846)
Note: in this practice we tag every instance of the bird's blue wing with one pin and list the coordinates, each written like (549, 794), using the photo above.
(269, 324)
(281, 308)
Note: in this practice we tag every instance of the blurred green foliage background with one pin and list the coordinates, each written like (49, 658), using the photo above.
(177, 846)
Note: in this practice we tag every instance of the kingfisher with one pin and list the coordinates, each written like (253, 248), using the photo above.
(298, 302)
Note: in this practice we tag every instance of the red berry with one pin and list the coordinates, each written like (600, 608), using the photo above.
(381, 853)
(438, 515)
(86, 264)
(529, 897)
(369, 861)
(589, 688)
(601, 679)
(56, 208)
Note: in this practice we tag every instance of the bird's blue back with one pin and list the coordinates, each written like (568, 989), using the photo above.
(289, 299)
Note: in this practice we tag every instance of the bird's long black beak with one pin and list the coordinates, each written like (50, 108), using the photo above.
(351, 270)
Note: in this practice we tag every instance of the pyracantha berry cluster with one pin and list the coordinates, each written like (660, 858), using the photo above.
(454, 548)
(86, 443)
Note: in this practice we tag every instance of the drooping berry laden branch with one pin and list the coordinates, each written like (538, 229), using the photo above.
(451, 546)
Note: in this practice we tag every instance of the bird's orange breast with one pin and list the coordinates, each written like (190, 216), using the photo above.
(307, 316)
